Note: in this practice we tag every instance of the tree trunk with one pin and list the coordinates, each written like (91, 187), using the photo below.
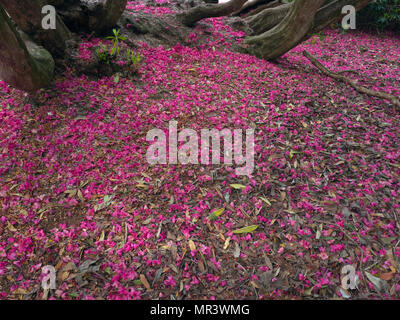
(288, 33)
(267, 19)
(330, 13)
(23, 64)
(256, 6)
(190, 17)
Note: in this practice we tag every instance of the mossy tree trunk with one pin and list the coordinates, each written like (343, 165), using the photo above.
(288, 33)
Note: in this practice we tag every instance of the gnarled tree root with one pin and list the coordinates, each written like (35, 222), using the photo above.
(190, 17)
(288, 33)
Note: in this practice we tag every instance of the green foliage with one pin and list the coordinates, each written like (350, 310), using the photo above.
(108, 55)
(104, 54)
(134, 58)
(380, 15)
(116, 38)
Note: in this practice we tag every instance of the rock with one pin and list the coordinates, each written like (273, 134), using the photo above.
(42, 58)
(27, 14)
(93, 15)
(154, 30)
(62, 3)
(23, 64)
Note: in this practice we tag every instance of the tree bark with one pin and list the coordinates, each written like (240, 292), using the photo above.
(267, 19)
(330, 13)
(190, 17)
(253, 4)
(288, 33)
(275, 36)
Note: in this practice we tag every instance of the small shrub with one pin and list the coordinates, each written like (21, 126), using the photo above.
(134, 59)
(104, 55)
(380, 15)
(114, 58)
(116, 38)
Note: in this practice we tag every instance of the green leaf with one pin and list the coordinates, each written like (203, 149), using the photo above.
(312, 281)
(107, 200)
(108, 270)
(246, 229)
(215, 214)
(308, 291)
(238, 186)
(266, 201)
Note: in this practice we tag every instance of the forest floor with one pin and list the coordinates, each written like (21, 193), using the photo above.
(77, 193)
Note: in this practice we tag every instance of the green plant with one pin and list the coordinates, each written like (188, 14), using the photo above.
(116, 38)
(108, 54)
(134, 58)
(104, 54)
(380, 15)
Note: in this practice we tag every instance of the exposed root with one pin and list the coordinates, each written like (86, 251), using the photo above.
(357, 87)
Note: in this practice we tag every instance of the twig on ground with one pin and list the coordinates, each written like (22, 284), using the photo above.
(357, 87)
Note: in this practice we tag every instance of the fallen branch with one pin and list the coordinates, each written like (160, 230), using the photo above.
(357, 87)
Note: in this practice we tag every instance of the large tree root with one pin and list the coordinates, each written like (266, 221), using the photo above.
(190, 17)
(252, 5)
(288, 33)
(357, 87)
(267, 19)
